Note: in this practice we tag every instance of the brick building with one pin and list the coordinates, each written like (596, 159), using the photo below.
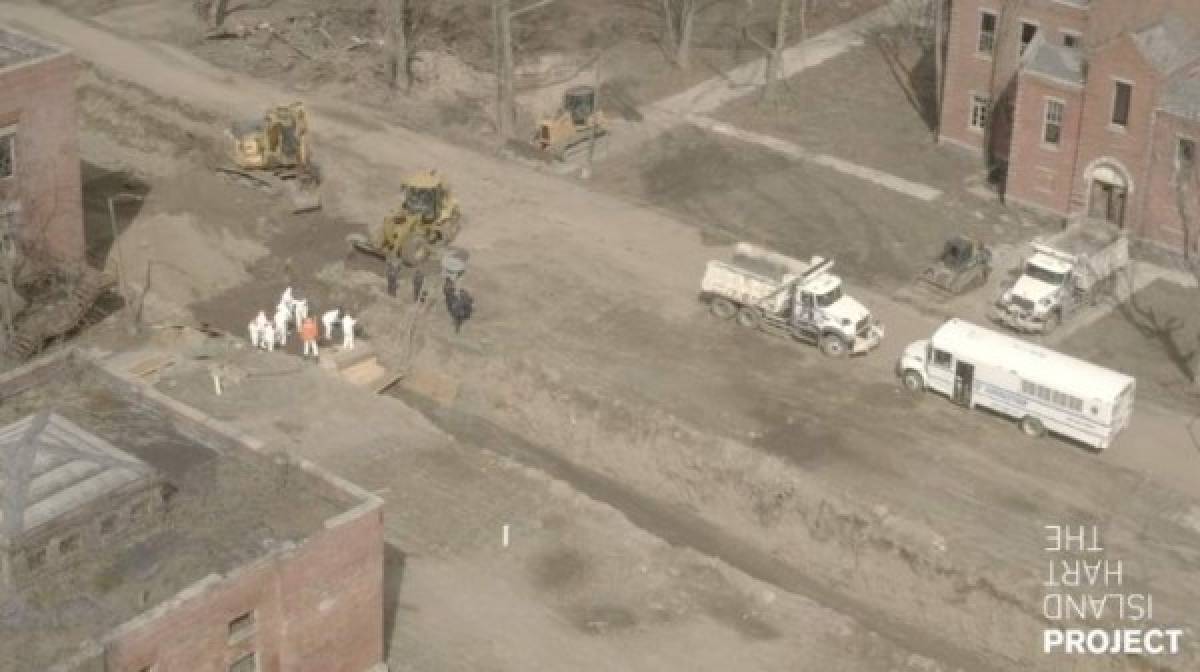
(40, 194)
(138, 535)
(1085, 107)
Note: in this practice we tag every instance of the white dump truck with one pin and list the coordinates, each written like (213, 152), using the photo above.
(769, 291)
(1066, 272)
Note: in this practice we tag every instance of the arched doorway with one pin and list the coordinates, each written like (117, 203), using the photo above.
(1108, 191)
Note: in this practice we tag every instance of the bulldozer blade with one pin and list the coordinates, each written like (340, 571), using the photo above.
(358, 241)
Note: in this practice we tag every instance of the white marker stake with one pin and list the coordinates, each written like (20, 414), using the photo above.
(504, 535)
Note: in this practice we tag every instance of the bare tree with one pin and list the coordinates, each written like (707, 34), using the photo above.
(939, 64)
(216, 13)
(774, 69)
(680, 17)
(1187, 201)
(506, 101)
(396, 17)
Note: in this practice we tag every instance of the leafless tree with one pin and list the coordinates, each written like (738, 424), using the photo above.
(939, 63)
(506, 101)
(680, 17)
(774, 51)
(396, 17)
(216, 13)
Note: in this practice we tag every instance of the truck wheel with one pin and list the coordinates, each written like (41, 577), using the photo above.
(833, 345)
(722, 308)
(913, 382)
(1032, 427)
(748, 317)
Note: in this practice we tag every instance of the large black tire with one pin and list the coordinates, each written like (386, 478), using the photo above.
(722, 307)
(749, 317)
(1032, 427)
(833, 345)
(415, 250)
(913, 381)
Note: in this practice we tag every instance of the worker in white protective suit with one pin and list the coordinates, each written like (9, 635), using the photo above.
(300, 310)
(287, 299)
(268, 337)
(281, 325)
(328, 319)
(255, 334)
(348, 332)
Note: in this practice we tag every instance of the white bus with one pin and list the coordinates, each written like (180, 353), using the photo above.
(1043, 389)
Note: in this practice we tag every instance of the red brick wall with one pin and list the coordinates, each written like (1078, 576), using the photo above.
(967, 70)
(1099, 140)
(319, 608)
(1163, 222)
(40, 99)
(1040, 175)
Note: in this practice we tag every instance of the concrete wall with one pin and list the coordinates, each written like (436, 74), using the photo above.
(318, 608)
(1040, 175)
(38, 97)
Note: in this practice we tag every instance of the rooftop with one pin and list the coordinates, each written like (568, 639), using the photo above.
(1182, 96)
(230, 504)
(1053, 61)
(50, 467)
(1169, 45)
(17, 48)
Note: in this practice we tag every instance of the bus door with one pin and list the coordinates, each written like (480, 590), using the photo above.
(964, 382)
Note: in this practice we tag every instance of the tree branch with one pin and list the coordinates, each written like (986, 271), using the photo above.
(538, 4)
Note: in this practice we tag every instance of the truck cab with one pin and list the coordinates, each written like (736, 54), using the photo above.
(839, 324)
(1036, 301)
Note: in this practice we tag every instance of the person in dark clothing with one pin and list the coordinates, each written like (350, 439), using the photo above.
(448, 292)
(461, 306)
(393, 276)
(418, 284)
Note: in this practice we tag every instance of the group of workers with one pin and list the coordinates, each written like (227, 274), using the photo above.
(459, 302)
(292, 313)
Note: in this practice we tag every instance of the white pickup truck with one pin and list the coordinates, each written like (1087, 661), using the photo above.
(1065, 272)
(776, 293)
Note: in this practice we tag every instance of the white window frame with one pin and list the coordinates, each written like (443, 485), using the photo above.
(1112, 108)
(1021, 43)
(979, 51)
(1061, 121)
(1073, 34)
(987, 104)
(10, 132)
(252, 655)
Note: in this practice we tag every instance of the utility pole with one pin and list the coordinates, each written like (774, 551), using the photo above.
(939, 8)
(395, 13)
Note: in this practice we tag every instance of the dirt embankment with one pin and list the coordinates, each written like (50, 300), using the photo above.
(784, 525)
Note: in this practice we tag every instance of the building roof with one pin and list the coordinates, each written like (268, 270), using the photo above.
(230, 505)
(1032, 362)
(1053, 61)
(1168, 45)
(51, 467)
(1182, 96)
(17, 48)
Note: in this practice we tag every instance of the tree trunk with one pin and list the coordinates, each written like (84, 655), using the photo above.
(506, 106)
(216, 13)
(396, 13)
(938, 66)
(687, 15)
(775, 59)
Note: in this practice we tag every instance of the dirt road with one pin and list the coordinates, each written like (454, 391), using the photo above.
(590, 311)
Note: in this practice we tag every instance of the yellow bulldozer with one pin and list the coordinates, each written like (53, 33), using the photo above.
(277, 145)
(428, 217)
(569, 131)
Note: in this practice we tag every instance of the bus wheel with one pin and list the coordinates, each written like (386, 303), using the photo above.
(723, 308)
(1032, 427)
(913, 382)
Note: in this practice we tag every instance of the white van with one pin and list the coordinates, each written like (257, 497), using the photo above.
(1044, 389)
